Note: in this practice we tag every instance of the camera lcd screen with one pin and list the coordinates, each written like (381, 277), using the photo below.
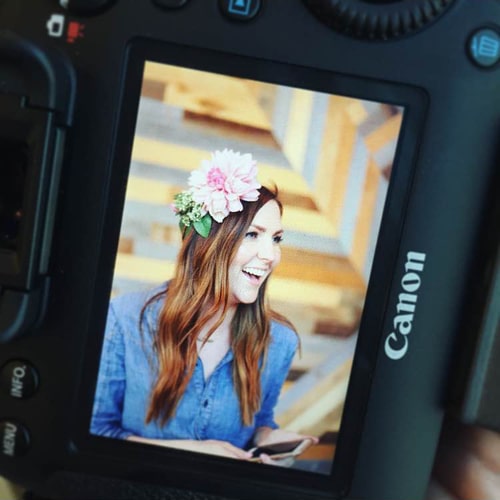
(330, 157)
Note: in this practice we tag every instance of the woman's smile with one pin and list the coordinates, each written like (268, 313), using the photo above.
(255, 275)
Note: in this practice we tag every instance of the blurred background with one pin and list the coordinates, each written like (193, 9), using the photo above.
(331, 158)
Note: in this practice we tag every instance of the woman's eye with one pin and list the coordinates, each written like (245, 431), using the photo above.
(251, 235)
(278, 239)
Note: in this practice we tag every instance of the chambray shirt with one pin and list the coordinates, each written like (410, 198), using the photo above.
(207, 410)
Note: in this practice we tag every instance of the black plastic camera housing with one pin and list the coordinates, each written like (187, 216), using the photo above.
(70, 80)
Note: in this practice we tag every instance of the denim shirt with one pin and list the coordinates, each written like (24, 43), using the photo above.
(208, 409)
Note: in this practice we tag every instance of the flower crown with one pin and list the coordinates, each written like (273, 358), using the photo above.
(217, 188)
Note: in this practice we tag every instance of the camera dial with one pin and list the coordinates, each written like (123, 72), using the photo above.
(86, 7)
(377, 19)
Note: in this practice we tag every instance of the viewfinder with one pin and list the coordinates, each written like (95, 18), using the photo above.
(13, 169)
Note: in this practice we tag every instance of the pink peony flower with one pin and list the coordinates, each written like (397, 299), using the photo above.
(220, 184)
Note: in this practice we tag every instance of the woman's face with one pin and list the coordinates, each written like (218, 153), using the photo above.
(259, 253)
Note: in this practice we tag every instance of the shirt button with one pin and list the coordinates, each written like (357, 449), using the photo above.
(205, 403)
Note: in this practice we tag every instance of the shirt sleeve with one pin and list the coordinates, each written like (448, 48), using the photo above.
(278, 365)
(111, 383)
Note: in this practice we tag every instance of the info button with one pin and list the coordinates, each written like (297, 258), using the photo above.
(240, 10)
(18, 379)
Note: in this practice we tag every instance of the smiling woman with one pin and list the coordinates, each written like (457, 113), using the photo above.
(199, 362)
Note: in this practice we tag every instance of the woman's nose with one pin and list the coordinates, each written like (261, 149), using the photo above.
(266, 249)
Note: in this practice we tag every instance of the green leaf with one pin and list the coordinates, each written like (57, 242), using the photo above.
(202, 226)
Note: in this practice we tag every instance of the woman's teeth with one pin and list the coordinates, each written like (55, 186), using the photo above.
(253, 271)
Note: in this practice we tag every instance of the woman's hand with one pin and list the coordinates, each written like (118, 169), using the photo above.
(266, 436)
(209, 446)
(467, 465)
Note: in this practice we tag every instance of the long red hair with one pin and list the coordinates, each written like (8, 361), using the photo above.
(199, 291)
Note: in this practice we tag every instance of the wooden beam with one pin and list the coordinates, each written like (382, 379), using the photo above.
(387, 132)
(336, 157)
(327, 395)
(150, 191)
(320, 268)
(297, 132)
(143, 269)
(219, 96)
(364, 230)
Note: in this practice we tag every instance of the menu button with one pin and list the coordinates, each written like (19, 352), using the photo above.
(15, 439)
(484, 47)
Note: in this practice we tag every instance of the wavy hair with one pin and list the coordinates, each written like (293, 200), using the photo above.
(199, 291)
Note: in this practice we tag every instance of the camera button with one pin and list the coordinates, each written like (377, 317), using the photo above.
(484, 47)
(240, 10)
(15, 438)
(19, 379)
(170, 4)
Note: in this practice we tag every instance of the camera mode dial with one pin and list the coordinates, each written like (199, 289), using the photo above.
(85, 7)
(377, 19)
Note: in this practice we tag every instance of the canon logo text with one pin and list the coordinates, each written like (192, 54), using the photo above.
(396, 343)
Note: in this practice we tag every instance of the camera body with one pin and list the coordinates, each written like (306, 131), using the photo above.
(70, 80)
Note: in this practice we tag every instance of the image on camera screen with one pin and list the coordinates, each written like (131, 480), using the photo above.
(330, 158)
